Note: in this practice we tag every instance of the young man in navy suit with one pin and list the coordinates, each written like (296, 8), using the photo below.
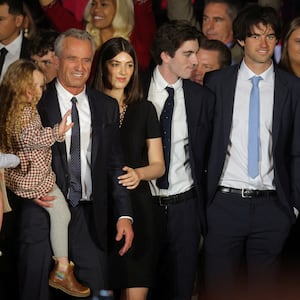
(251, 199)
(179, 204)
(101, 164)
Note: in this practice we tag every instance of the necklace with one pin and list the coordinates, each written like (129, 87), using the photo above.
(122, 114)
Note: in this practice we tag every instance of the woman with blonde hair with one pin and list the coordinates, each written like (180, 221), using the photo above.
(131, 19)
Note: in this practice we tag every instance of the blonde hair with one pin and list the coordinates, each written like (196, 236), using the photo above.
(17, 80)
(122, 23)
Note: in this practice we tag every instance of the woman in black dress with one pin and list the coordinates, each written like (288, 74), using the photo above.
(117, 76)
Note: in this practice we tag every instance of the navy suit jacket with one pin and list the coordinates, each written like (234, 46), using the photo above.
(106, 156)
(199, 104)
(285, 132)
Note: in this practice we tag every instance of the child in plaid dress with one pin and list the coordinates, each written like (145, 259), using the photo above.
(23, 134)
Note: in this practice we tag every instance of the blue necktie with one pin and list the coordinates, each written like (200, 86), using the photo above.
(165, 126)
(75, 166)
(253, 129)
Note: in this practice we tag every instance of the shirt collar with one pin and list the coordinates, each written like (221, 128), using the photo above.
(14, 45)
(64, 94)
(161, 83)
(245, 73)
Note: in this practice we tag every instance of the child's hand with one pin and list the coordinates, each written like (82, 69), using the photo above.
(63, 126)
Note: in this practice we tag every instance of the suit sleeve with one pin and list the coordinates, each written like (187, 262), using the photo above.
(119, 194)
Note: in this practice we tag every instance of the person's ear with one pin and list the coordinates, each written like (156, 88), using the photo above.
(165, 57)
(241, 43)
(19, 21)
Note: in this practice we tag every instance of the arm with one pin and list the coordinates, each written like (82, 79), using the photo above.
(8, 160)
(35, 136)
(4, 204)
(60, 17)
(155, 169)
(121, 199)
(182, 10)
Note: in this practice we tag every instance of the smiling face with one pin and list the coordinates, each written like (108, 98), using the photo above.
(102, 13)
(259, 47)
(74, 64)
(120, 70)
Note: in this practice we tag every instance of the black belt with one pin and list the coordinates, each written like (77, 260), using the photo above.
(174, 199)
(245, 193)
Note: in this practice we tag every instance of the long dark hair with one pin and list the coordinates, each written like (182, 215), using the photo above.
(108, 51)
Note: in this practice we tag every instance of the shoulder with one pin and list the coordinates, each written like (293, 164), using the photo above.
(102, 106)
(142, 108)
(286, 78)
(220, 79)
(98, 98)
(222, 73)
(142, 104)
(196, 89)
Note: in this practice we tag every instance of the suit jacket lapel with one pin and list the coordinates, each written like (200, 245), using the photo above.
(280, 95)
(228, 88)
(54, 117)
(95, 119)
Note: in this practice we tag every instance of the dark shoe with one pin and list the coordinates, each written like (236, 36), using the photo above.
(69, 283)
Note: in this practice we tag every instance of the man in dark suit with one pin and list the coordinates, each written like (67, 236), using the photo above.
(11, 33)
(101, 164)
(250, 199)
(179, 199)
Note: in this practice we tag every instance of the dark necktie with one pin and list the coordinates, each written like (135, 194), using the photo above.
(253, 129)
(165, 126)
(3, 53)
(75, 168)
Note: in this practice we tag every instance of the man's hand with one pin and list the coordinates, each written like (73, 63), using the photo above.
(45, 201)
(124, 228)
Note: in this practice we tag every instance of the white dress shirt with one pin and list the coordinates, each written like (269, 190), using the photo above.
(235, 171)
(13, 54)
(83, 107)
(180, 177)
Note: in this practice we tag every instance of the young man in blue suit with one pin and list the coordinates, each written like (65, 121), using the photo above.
(179, 201)
(250, 198)
(101, 164)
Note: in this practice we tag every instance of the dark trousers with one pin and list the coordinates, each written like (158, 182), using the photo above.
(35, 252)
(178, 229)
(245, 237)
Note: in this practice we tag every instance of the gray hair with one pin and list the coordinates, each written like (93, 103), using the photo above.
(75, 33)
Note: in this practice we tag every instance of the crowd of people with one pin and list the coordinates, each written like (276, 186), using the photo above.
(149, 149)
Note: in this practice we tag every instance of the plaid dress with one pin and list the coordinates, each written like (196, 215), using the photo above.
(34, 176)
